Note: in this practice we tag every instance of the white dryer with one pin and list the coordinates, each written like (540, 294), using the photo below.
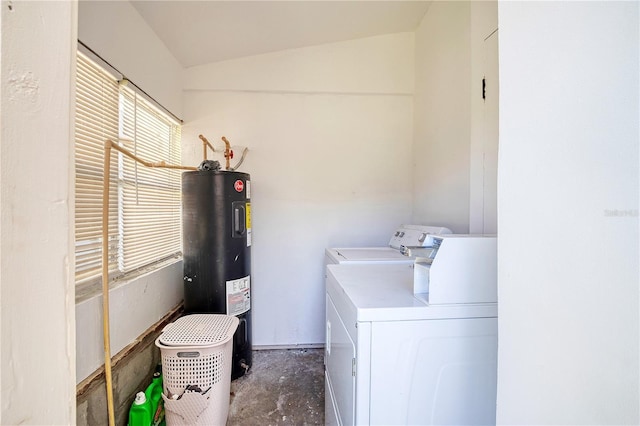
(394, 358)
(401, 248)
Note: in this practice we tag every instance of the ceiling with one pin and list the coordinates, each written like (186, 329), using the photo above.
(200, 32)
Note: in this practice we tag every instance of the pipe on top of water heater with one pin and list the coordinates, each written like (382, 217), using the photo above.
(244, 154)
(228, 153)
(205, 143)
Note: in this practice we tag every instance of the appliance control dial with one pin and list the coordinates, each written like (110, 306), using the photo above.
(415, 236)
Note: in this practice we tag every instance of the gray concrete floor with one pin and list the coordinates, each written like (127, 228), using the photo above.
(283, 387)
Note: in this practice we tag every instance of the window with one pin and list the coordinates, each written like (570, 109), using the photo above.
(144, 203)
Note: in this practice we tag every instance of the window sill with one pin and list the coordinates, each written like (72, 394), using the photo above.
(93, 288)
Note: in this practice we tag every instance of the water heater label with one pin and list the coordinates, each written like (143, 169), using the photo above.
(248, 189)
(239, 295)
(248, 221)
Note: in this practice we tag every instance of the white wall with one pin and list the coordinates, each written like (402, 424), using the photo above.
(442, 115)
(134, 306)
(372, 65)
(568, 213)
(483, 150)
(115, 31)
(36, 273)
(329, 133)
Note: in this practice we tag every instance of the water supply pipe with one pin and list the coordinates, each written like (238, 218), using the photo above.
(244, 154)
(228, 153)
(205, 143)
(105, 280)
(108, 145)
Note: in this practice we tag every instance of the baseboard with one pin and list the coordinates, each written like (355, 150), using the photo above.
(283, 347)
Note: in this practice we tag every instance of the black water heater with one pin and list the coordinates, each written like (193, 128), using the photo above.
(216, 244)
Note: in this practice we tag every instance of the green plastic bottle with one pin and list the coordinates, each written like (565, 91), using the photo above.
(140, 412)
(153, 393)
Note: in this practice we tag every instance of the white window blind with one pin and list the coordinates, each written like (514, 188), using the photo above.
(149, 197)
(97, 97)
(144, 210)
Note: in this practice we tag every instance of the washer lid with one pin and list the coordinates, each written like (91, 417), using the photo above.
(371, 254)
(384, 292)
(199, 329)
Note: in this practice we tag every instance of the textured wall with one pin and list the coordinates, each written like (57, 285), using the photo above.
(36, 273)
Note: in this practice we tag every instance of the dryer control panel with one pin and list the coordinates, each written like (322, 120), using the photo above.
(459, 269)
(416, 236)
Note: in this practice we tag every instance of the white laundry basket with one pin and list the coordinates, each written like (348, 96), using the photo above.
(196, 352)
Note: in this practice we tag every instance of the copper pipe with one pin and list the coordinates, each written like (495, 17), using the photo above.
(160, 164)
(228, 154)
(105, 280)
(205, 143)
(105, 258)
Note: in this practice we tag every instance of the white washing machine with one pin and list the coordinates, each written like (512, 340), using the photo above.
(401, 248)
(393, 357)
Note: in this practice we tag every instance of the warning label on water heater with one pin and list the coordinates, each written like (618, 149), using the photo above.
(248, 222)
(239, 295)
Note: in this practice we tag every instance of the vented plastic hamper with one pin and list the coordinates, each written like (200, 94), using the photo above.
(196, 352)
